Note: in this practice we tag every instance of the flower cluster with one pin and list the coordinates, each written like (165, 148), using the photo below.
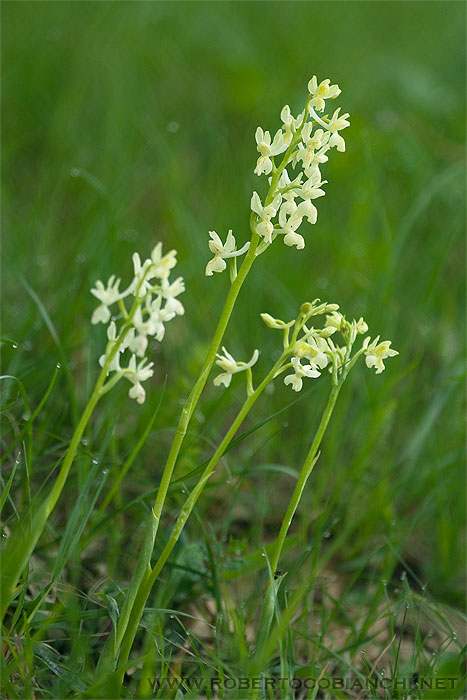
(154, 302)
(317, 347)
(308, 350)
(303, 142)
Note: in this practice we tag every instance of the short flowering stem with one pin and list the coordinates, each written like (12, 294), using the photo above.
(29, 529)
(148, 582)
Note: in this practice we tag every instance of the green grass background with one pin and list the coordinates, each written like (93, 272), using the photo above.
(126, 123)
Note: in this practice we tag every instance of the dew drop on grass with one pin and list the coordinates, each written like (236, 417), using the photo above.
(4, 535)
(263, 554)
(173, 127)
(95, 461)
(58, 365)
(104, 472)
(80, 258)
(14, 346)
(326, 534)
(74, 172)
(84, 441)
(172, 617)
(385, 583)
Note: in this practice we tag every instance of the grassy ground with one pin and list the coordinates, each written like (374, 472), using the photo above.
(127, 123)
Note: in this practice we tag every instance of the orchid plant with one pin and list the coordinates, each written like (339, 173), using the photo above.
(320, 341)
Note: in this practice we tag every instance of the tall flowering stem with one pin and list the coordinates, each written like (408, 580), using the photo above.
(341, 361)
(299, 145)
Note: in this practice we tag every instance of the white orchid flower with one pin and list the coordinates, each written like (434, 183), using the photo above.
(231, 366)
(300, 371)
(265, 214)
(377, 352)
(323, 91)
(268, 149)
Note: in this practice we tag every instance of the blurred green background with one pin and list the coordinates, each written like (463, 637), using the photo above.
(126, 123)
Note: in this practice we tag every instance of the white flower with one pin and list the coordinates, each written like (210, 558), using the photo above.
(376, 353)
(137, 392)
(360, 326)
(265, 227)
(220, 251)
(312, 159)
(169, 292)
(300, 371)
(107, 296)
(315, 350)
(323, 91)
(137, 373)
(311, 189)
(268, 149)
(231, 366)
(335, 321)
(290, 123)
(289, 226)
(101, 314)
(336, 124)
(162, 264)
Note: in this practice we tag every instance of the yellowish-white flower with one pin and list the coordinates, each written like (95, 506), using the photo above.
(335, 320)
(289, 226)
(162, 264)
(336, 124)
(377, 352)
(137, 373)
(300, 371)
(315, 349)
(222, 251)
(265, 227)
(291, 124)
(268, 149)
(107, 295)
(323, 91)
(230, 366)
(219, 250)
(360, 326)
(311, 189)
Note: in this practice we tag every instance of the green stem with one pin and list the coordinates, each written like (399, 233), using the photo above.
(23, 540)
(307, 468)
(143, 563)
(184, 514)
